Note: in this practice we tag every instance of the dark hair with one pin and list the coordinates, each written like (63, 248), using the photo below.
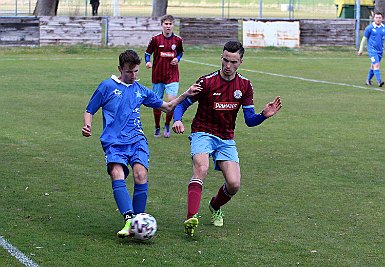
(233, 47)
(129, 56)
(379, 13)
(166, 17)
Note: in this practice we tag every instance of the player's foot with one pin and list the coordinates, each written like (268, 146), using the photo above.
(216, 216)
(190, 225)
(381, 84)
(157, 132)
(126, 230)
(166, 132)
(368, 82)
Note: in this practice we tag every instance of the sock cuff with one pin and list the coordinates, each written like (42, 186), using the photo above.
(196, 180)
(225, 191)
(141, 186)
(118, 183)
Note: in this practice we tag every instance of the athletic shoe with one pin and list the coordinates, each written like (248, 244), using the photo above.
(380, 84)
(190, 225)
(125, 232)
(166, 132)
(368, 82)
(157, 132)
(216, 216)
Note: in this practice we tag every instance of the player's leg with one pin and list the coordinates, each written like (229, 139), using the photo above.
(194, 191)
(158, 89)
(171, 92)
(139, 160)
(121, 196)
(226, 159)
(370, 76)
(375, 59)
(139, 199)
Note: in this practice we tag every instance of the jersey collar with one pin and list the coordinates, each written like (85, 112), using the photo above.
(116, 79)
(376, 26)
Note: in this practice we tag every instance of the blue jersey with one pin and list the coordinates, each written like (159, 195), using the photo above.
(375, 35)
(120, 104)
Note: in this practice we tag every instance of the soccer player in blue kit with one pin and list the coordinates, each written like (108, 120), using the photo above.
(123, 139)
(374, 34)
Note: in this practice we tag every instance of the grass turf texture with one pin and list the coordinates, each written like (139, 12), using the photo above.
(312, 177)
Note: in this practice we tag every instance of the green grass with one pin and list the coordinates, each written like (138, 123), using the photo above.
(312, 177)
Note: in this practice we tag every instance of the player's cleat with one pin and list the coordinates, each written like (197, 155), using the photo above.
(216, 216)
(157, 132)
(126, 230)
(166, 132)
(190, 225)
(381, 84)
(368, 83)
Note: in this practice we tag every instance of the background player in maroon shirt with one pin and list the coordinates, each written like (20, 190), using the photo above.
(168, 50)
(212, 131)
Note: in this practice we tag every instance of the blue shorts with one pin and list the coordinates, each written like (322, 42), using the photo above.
(128, 155)
(219, 149)
(375, 58)
(171, 89)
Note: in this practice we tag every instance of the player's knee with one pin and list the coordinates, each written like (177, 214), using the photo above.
(200, 171)
(233, 187)
(140, 176)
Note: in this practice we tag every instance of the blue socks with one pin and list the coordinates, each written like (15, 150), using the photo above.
(122, 197)
(139, 198)
(377, 73)
(123, 200)
(370, 74)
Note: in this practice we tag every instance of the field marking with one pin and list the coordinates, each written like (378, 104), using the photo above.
(291, 77)
(15, 252)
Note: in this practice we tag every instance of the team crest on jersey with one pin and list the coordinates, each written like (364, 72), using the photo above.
(117, 92)
(237, 94)
(173, 47)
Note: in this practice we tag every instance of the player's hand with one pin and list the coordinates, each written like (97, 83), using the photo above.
(148, 65)
(178, 127)
(273, 107)
(359, 53)
(193, 90)
(86, 130)
(174, 61)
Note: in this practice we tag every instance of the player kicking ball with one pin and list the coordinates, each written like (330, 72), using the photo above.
(123, 139)
(212, 131)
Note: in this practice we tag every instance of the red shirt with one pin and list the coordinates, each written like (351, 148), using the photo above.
(164, 50)
(219, 103)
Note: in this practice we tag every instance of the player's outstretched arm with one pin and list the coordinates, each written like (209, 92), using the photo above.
(272, 108)
(169, 106)
(86, 130)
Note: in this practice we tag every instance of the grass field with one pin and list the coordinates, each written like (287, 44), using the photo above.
(313, 188)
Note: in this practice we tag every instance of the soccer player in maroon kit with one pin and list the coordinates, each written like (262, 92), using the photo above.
(212, 131)
(168, 50)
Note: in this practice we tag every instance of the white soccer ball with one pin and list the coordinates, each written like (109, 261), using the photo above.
(143, 226)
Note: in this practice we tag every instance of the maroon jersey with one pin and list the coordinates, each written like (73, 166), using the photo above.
(219, 103)
(164, 50)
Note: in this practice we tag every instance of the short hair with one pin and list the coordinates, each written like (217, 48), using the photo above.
(166, 17)
(233, 47)
(378, 13)
(129, 56)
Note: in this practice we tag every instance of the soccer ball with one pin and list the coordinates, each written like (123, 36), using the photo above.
(143, 226)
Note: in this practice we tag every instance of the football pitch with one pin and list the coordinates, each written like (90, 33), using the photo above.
(312, 192)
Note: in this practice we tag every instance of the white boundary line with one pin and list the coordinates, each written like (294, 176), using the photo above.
(292, 77)
(15, 252)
